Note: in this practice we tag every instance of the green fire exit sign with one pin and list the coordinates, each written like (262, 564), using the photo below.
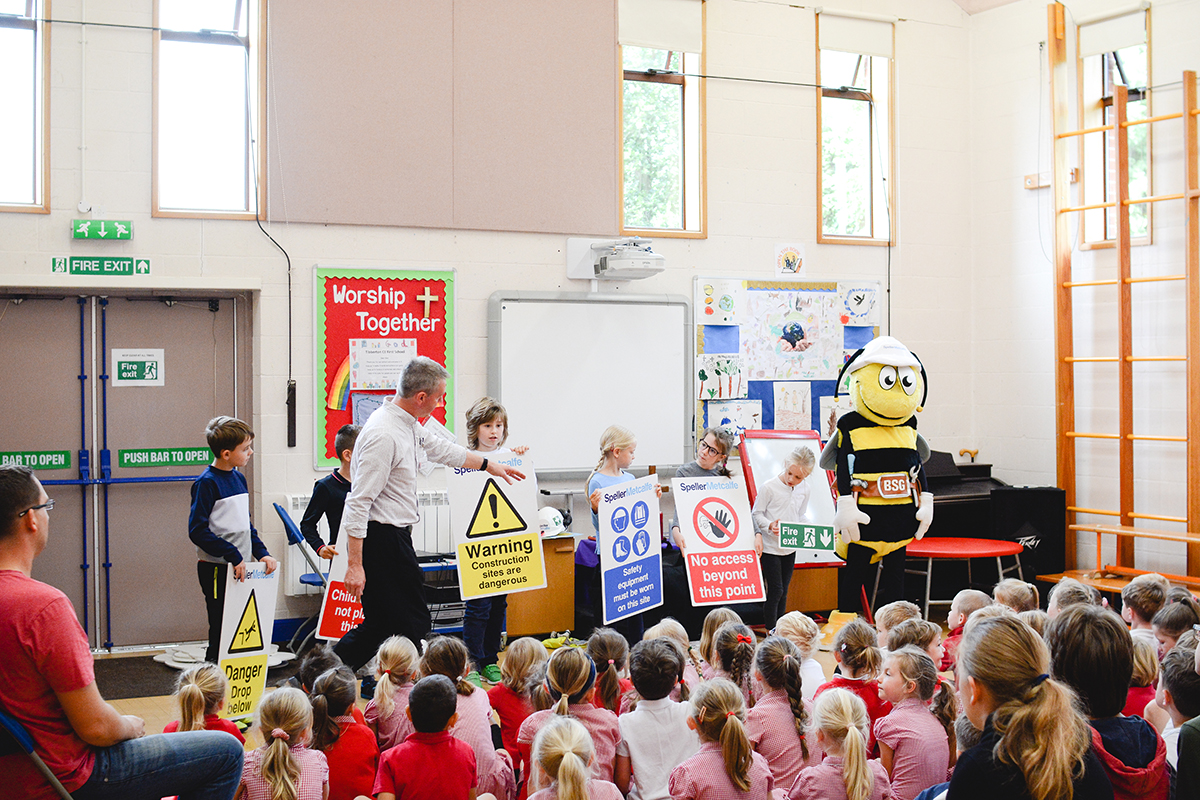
(83, 265)
(102, 229)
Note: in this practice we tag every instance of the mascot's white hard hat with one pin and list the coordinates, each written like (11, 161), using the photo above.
(551, 521)
(883, 350)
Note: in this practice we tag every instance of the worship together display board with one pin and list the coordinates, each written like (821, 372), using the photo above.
(369, 323)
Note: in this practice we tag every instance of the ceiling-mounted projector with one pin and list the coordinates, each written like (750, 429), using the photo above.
(613, 259)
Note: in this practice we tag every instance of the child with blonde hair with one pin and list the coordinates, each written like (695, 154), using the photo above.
(855, 649)
(571, 682)
(284, 768)
(914, 740)
(349, 746)
(1036, 619)
(891, 615)
(783, 498)
(564, 754)
(396, 670)
(801, 631)
(447, 655)
(671, 628)
(778, 725)
(201, 691)
(1066, 593)
(610, 653)
(617, 448)
(1035, 743)
(733, 646)
(1016, 594)
(512, 698)
(726, 765)
(1145, 678)
(712, 622)
(655, 737)
(841, 721)
(965, 603)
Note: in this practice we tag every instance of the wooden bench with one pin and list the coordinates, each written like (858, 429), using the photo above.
(1113, 578)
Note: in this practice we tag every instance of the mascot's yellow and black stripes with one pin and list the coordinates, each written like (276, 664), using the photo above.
(879, 457)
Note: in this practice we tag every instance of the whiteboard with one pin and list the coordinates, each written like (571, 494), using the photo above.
(567, 365)
(763, 454)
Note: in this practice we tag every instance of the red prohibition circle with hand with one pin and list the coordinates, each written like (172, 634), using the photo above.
(715, 522)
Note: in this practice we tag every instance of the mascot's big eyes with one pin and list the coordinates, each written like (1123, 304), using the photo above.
(908, 380)
(887, 378)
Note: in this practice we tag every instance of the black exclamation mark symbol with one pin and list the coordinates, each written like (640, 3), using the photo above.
(495, 513)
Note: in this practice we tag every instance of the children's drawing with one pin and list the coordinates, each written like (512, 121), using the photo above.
(789, 260)
(744, 415)
(793, 406)
(831, 411)
(719, 376)
(791, 335)
(860, 302)
(719, 302)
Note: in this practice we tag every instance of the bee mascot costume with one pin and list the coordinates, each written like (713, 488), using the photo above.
(879, 458)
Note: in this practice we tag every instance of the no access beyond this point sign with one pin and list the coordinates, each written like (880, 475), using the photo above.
(716, 522)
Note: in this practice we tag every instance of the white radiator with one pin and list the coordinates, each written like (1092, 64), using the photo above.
(431, 534)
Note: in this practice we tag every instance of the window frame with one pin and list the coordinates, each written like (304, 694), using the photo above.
(255, 145)
(889, 196)
(41, 31)
(1092, 111)
(701, 170)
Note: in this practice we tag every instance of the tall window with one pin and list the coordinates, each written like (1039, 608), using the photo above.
(23, 95)
(206, 108)
(854, 69)
(1114, 51)
(660, 111)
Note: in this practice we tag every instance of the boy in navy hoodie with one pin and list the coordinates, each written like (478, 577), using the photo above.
(329, 496)
(1092, 652)
(219, 522)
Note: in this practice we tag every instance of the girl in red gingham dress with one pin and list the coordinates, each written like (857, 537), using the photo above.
(571, 681)
(915, 744)
(841, 720)
(733, 646)
(726, 768)
(778, 724)
(446, 655)
(385, 714)
(284, 768)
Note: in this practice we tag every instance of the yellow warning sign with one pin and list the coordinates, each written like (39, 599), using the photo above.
(247, 637)
(247, 677)
(500, 566)
(495, 514)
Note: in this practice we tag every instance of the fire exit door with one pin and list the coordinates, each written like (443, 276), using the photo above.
(108, 398)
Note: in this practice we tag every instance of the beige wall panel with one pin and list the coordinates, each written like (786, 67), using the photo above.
(360, 113)
(535, 116)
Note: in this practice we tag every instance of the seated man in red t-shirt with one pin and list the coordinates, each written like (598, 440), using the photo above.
(48, 684)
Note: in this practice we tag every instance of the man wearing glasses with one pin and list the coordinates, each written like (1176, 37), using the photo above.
(47, 682)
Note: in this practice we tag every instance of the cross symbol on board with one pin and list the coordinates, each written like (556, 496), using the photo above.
(427, 298)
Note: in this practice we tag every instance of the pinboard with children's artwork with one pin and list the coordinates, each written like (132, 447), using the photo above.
(764, 456)
(768, 352)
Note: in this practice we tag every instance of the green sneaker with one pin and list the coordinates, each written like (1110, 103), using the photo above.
(491, 673)
(474, 679)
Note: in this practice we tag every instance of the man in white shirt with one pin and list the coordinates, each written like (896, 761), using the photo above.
(382, 507)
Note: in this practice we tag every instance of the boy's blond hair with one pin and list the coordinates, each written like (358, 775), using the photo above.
(1036, 619)
(987, 612)
(800, 630)
(891, 615)
(226, 433)
(1146, 595)
(1017, 595)
(968, 601)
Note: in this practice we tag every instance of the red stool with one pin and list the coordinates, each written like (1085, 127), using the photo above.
(955, 549)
